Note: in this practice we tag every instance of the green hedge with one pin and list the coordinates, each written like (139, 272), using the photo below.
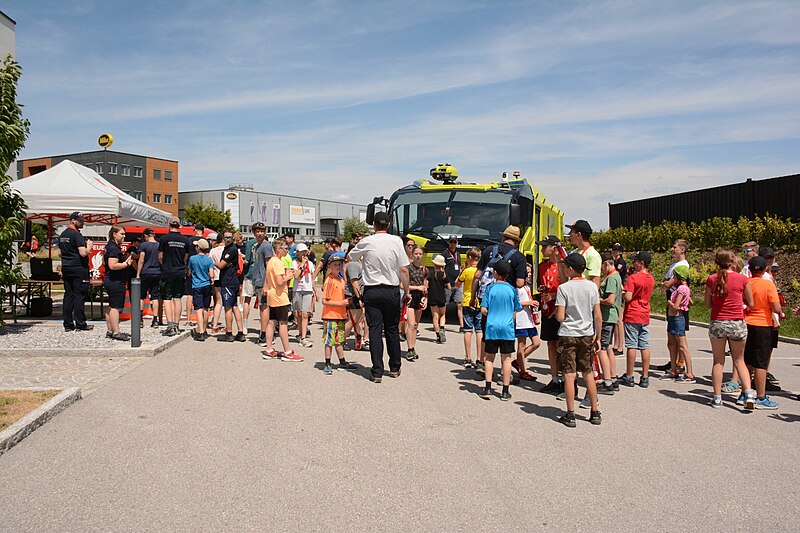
(772, 231)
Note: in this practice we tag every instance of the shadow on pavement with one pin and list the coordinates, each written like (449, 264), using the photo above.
(544, 411)
(785, 417)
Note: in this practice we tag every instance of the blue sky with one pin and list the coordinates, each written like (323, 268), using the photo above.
(594, 102)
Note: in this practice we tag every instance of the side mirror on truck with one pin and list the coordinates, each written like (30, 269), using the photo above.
(514, 214)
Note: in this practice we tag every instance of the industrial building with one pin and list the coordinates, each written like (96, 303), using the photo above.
(308, 218)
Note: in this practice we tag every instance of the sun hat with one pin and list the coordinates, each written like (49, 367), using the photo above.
(511, 232)
(439, 261)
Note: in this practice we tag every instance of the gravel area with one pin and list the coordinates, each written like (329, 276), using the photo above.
(42, 335)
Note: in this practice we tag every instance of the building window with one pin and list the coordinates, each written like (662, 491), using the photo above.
(168, 175)
(156, 173)
(99, 167)
(112, 168)
(309, 231)
(126, 192)
(168, 199)
(156, 197)
(137, 195)
(125, 170)
(137, 172)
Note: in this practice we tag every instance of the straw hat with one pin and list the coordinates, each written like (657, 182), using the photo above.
(511, 232)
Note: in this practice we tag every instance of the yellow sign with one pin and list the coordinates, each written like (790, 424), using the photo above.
(105, 140)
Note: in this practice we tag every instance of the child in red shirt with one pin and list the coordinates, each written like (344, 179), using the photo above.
(637, 291)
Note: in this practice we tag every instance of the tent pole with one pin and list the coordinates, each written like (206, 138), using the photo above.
(50, 236)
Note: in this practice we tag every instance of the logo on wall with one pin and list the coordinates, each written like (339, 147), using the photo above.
(231, 196)
(105, 140)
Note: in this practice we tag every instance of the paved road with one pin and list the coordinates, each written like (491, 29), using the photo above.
(88, 373)
(210, 437)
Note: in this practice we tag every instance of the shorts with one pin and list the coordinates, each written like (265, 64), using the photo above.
(280, 313)
(436, 303)
(116, 293)
(574, 354)
(550, 328)
(607, 335)
(758, 349)
(302, 301)
(151, 286)
(217, 283)
(201, 297)
(526, 332)
(472, 319)
(734, 330)
(333, 334)
(676, 325)
(637, 336)
(775, 335)
(416, 300)
(686, 321)
(187, 286)
(492, 347)
(454, 295)
(172, 288)
(248, 289)
(229, 295)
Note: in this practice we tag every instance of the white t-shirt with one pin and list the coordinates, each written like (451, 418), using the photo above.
(524, 318)
(216, 255)
(578, 297)
(382, 256)
(671, 271)
(304, 283)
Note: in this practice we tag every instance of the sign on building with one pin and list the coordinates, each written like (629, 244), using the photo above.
(299, 214)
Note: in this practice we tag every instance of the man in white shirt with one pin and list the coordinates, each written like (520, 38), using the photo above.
(384, 269)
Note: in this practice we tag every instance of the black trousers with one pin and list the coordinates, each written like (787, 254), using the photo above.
(382, 305)
(76, 289)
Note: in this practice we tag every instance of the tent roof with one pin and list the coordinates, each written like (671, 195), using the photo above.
(53, 194)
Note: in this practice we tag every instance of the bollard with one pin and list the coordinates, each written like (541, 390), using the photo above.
(136, 313)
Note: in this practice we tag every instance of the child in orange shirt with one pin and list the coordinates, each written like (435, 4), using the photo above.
(334, 313)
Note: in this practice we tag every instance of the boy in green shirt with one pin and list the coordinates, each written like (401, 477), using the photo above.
(610, 303)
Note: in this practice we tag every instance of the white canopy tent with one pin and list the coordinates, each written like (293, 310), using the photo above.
(53, 194)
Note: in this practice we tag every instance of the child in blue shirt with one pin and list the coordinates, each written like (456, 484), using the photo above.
(499, 305)
(201, 270)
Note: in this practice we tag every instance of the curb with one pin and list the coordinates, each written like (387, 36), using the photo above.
(781, 338)
(145, 350)
(13, 434)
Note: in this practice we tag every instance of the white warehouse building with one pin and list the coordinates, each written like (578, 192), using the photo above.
(309, 219)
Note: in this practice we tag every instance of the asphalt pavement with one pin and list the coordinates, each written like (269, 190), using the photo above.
(210, 437)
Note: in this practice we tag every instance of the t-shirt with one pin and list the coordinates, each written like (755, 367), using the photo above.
(593, 262)
(578, 297)
(519, 267)
(216, 254)
(325, 256)
(190, 249)
(352, 271)
(151, 268)
(173, 246)
(524, 319)
(764, 293)
(200, 264)
(382, 256)
(333, 289)
(641, 284)
(670, 273)
(436, 286)
(72, 264)
(622, 268)
(467, 276)
(113, 251)
(501, 302)
(548, 284)
(728, 307)
(611, 285)
(289, 264)
(417, 275)
(259, 254)
(227, 275)
(305, 283)
(685, 292)
(277, 295)
(452, 264)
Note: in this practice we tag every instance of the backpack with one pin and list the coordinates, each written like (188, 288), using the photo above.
(487, 276)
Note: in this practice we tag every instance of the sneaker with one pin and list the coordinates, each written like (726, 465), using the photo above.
(681, 369)
(627, 380)
(595, 418)
(439, 338)
(740, 399)
(607, 390)
(505, 396)
(85, 327)
(346, 347)
(553, 387)
(772, 378)
(644, 382)
(618, 352)
(120, 336)
(684, 378)
(328, 371)
(199, 337)
(412, 355)
(716, 403)
(394, 374)
(240, 337)
(750, 400)
(69, 328)
(225, 338)
(172, 332)
(468, 363)
(347, 366)
(568, 419)
(402, 337)
(486, 393)
(375, 379)
(586, 403)
(668, 376)
(766, 403)
(292, 357)
(306, 343)
(108, 334)
(260, 340)
(731, 387)
(563, 395)
(271, 355)
(771, 386)
(154, 323)
(615, 385)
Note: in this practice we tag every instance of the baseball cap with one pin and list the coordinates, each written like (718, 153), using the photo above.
(76, 215)
(617, 247)
(576, 262)
(682, 271)
(453, 238)
(550, 240)
(258, 225)
(381, 217)
(301, 247)
(336, 256)
(213, 236)
(202, 244)
(766, 251)
(757, 263)
(174, 221)
(644, 257)
(581, 226)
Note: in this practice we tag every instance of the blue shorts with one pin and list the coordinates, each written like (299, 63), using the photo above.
(676, 325)
(472, 319)
(229, 296)
(201, 297)
(637, 336)
(527, 332)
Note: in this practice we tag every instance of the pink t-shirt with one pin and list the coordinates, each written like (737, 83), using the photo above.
(684, 291)
(728, 307)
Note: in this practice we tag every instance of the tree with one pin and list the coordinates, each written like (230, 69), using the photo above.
(353, 225)
(207, 214)
(14, 130)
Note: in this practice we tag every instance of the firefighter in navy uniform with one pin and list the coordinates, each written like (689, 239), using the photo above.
(75, 273)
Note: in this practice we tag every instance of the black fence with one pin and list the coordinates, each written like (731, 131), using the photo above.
(775, 196)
